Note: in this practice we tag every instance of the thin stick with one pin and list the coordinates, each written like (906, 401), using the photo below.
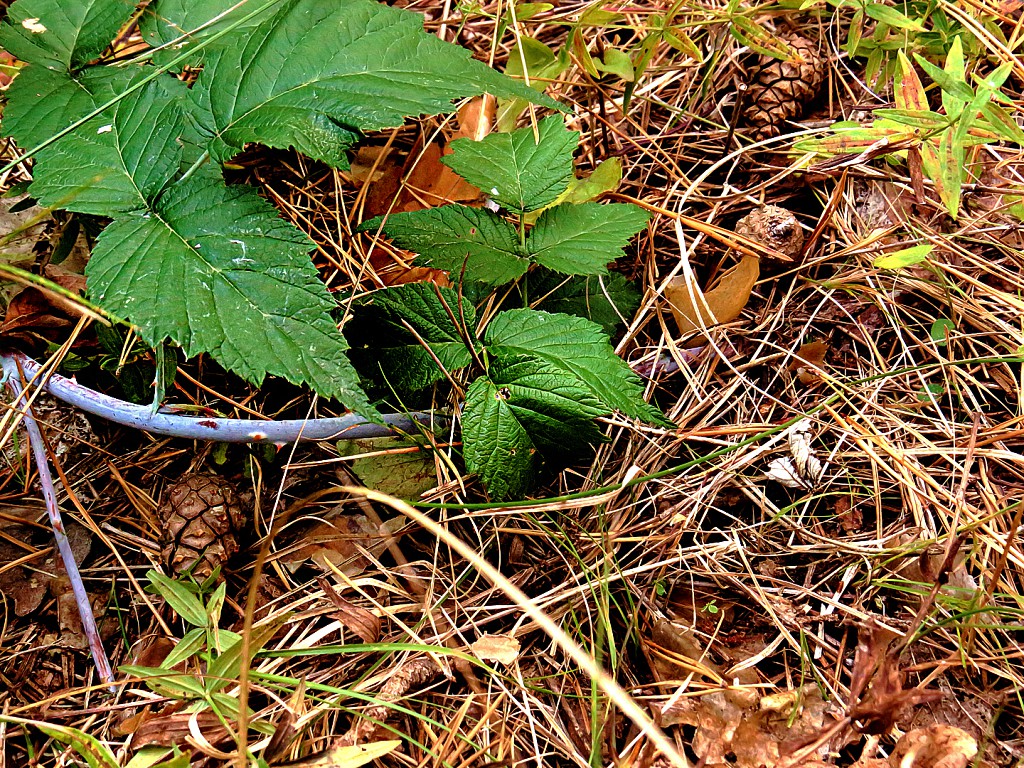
(35, 438)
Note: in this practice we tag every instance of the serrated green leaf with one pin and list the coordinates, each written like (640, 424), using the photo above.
(576, 347)
(382, 331)
(455, 235)
(216, 270)
(609, 301)
(582, 239)
(62, 35)
(495, 445)
(518, 171)
(182, 23)
(179, 597)
(39, 104)
(399, 466)
(119, 160)
(316, 74)
(556, 410)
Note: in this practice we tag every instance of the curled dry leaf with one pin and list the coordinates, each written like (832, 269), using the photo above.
(937, 746)
(357, 619)
(503, 649)
(738, 727)
(722, 304)
(344, 541)
(808, 361)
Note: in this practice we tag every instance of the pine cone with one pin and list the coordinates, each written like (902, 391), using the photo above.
(201, 515)
(775, 227)
(781, 89)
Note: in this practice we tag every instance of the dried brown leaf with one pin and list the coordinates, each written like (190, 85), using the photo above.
(503, 649)
(357, 619)
(937, 746)
(721, 304)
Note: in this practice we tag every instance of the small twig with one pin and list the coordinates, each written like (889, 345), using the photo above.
(349, 427)
(35, 438)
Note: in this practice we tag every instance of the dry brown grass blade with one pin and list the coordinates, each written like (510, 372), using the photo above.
(626, 704)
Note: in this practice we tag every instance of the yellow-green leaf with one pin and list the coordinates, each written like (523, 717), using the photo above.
(907, 257)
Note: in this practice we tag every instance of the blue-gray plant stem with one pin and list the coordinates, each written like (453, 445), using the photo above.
(35, 438)
(348, 427)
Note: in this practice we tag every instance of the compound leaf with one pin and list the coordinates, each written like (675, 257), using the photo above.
(216, 270)
(62, 35)
(119, 160)
(453, 235)
(582, 239)
(401, 321)
(578, 349)
(315, 74)
(518, 171)
(496, 446)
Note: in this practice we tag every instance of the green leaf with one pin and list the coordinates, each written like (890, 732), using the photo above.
(956, 69)
(1002, 124)
(177, 21)
(225, 669)
(951, 175)
(179, 597)
(454, 235)
(385, 341)
(121, 159)
(316, 74)
(907, 257)
(193, 642)
(605, 178)
(171, 684)
(541, 65)
(62, 35)
(928, 120)
(946, 81)
(617, 63)
(579, 349)
(216, 270)
(940, 329)
(399, 466)
(41, 103)
(889, 15)
(582, 239)
(517, 171)
(609, 301)
(495, 444)
(557, 411)
(95, 753)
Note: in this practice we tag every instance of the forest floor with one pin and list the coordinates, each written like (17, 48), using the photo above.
(818, 566)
